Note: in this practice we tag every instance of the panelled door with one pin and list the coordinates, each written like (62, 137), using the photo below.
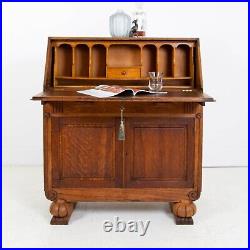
(159, 152)
(156, 152)
(86, 152)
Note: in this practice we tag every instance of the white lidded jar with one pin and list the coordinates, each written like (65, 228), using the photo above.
(119, 24)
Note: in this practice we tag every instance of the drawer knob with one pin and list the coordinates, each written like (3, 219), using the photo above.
(124, 73)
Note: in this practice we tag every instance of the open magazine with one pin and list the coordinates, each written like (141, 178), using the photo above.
(102, 91)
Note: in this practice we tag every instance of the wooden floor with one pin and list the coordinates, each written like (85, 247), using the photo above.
(221, 219)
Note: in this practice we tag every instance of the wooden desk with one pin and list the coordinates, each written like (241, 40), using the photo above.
(160, 158)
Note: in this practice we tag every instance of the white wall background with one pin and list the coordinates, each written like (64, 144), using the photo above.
(222, 28)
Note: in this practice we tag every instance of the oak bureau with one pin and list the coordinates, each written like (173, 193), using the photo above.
(160, 157)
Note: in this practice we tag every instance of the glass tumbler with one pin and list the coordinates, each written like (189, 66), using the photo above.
(155, 81)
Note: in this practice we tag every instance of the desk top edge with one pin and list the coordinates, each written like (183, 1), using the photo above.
(171, 96)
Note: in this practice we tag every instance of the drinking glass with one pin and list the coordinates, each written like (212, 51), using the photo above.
(155, 81)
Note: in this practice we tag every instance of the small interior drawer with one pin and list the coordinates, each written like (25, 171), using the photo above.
(121, 72)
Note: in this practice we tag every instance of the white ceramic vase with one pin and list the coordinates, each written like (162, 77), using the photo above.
(119, 24)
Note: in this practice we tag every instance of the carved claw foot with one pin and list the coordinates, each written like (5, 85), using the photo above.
(183, 212)
(61, 211)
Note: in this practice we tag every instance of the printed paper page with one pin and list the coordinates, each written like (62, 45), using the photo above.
(97, 93)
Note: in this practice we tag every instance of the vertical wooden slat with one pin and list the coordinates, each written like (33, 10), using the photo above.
(157, 58)
(73, 60)
(90, 60)
(191, 65)
(107, 50)
(141, 62)
(47, 148)
(198, 75)
(55, 66)
(48, 81)
(174, 62)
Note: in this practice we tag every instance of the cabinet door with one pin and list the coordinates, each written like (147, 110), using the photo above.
(159, 152)
(85, 152)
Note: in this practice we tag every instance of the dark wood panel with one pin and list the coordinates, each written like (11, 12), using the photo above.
(166, 60)
(98, 61)
(85, 152)
(81, 61)
(149, 59)
(153, 153)
(64, 60)
(159, 152)
(182, 61)
(122, 55)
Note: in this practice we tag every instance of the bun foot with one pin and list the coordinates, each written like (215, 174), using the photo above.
(183, 212)
(61, 211)
(184, 220)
